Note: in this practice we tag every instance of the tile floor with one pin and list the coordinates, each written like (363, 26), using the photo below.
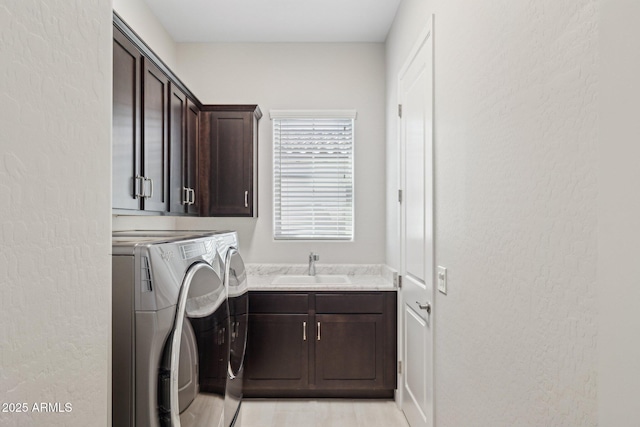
(321, 413)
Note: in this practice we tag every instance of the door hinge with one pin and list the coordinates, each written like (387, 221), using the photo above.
(399, 366)
(399, 196)
(400, 110)
(399, 282)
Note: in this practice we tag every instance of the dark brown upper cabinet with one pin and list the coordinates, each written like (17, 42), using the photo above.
(171, 154)
(140, 130)
(183, 132)
(228, 160)
(127, 130)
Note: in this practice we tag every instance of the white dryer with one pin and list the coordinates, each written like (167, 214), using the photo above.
(235, 281)
(173, 330)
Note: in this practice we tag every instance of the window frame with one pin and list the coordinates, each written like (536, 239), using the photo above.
(313, 114)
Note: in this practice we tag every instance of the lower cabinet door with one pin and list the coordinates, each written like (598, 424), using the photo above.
(349, 351)
(277, 352)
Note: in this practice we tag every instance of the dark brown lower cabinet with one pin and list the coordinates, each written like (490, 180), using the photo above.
(335, 344)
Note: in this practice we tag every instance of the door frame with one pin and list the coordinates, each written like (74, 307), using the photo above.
(424, 36)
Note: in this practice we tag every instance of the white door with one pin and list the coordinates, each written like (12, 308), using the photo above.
(416, 142)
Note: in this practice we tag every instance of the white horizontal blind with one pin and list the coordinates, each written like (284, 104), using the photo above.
(313, 178)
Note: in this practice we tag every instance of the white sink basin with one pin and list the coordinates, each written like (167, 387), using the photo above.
(318, 279)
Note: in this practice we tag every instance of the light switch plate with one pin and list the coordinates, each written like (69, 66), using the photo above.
(442, 279)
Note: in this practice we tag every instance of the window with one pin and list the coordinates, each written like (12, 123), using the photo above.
(313, 175)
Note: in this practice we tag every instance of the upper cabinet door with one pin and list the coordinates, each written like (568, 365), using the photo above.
(229, 154)
(183, 150)
(155, 136)
(191, 153)
(126, 123)
(179, 194)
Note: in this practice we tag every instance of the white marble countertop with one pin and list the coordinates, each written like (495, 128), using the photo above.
(362, 277)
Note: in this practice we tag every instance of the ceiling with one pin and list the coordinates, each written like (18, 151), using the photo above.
(272, 21)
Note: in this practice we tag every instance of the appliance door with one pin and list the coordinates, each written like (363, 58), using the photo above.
(195, 347)
(235, 279)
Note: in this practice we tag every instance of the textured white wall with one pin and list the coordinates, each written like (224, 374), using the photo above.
(299, 76)
(619, 216)
(139, 16)
(55, 274)
(516, 192)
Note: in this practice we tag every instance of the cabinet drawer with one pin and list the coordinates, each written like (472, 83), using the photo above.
(278, 303)
(348, 303)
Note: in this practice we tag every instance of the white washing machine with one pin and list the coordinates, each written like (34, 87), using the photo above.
(173, 331)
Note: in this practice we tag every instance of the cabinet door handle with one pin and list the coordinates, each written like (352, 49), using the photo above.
(304, 331)
(246, 199)
(139, 185)
(150, 188)
(318, 331)
(185, 199)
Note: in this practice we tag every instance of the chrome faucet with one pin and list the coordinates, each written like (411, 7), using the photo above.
(312, 263)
